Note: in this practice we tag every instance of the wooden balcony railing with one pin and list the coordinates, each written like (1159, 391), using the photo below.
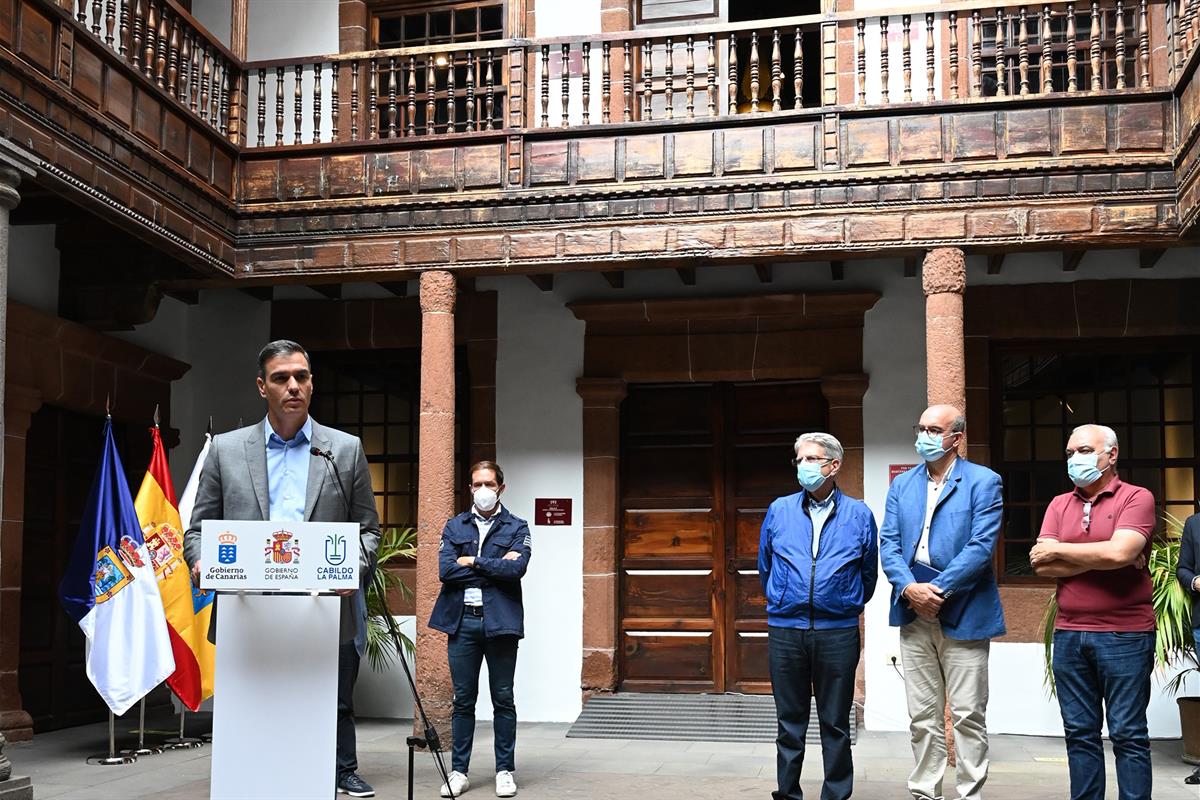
(955, 51)
(162, 41)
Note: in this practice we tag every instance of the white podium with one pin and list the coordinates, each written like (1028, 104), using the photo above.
(275, 696)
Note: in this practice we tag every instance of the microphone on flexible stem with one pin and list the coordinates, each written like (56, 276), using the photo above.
(331, 465)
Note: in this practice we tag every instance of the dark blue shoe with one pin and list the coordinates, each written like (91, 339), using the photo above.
(354, 786)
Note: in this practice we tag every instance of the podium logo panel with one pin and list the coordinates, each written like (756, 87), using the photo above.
(226, 564)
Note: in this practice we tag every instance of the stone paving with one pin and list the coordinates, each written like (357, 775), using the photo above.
(549, 765)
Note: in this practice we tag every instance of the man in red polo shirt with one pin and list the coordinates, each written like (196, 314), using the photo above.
(1096, 541)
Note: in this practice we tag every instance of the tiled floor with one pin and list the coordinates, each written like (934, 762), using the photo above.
(549, 765)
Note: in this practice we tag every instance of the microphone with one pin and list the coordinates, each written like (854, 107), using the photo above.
(331, 465)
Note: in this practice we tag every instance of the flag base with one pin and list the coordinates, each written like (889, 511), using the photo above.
(106, 760)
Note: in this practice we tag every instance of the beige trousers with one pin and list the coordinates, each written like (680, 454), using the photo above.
(938, 669)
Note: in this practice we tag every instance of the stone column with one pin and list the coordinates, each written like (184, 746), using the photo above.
(435, 487)
(601, 546)
(11, 713)
(944, 279)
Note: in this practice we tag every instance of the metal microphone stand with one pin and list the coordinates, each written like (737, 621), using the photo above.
(430, 740)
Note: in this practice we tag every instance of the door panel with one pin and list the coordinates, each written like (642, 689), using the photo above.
(700, 464)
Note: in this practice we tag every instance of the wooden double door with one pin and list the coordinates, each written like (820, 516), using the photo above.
(700, 463)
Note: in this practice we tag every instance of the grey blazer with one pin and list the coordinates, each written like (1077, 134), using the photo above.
(233, 485)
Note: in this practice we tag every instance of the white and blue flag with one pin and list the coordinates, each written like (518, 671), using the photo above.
(110, 589)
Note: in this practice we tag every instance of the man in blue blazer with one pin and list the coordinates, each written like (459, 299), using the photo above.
(940, 529)
(482, 557)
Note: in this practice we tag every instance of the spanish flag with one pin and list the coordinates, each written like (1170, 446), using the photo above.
(187, 610)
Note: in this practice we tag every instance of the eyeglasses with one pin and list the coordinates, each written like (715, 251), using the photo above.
(1087, 516)
(935, 430)
(810, 460)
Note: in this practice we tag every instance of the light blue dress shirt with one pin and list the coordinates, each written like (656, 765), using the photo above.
(287, 472)
(818, 513)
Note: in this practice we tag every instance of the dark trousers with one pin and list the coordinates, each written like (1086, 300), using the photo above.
(804, 664)
(467, 651)
(347, 759)
(1102, 673)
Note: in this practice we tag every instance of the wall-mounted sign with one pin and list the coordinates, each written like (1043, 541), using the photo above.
(552, 511)
(896, 470)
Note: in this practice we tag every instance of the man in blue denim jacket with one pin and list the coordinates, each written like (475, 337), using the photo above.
(817, 563)
(482, 557)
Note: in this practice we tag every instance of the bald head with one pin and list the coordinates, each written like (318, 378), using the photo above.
(947, 417)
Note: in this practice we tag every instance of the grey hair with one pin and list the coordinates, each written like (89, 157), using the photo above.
(959, 425)
(833, 448)
(1110, 436)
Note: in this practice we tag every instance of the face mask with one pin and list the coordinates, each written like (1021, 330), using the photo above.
(1082, 470)
(929, 446)
(485, 498)
(810, 476)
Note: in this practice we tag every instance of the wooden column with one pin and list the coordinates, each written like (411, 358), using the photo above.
(435, 503)
(844, 394)
(601, 546)
(238, 28)
(19, 407)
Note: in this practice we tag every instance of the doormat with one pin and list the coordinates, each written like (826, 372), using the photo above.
(688, 717)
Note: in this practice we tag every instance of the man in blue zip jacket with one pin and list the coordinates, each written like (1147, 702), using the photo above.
(817, 563)
(482, 557)
(940, 528)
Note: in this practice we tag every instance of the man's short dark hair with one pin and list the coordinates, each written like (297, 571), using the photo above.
(492, 465)
(280, 347)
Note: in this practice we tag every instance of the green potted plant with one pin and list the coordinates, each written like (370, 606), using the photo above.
(1173, 644)
(395, 544)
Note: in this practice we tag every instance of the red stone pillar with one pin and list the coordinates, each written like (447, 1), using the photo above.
(944, 279)
(435, 499)
(601, 548)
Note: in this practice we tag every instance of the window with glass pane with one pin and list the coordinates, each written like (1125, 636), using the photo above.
(436, 77)
(1145, 394)
(375, 395)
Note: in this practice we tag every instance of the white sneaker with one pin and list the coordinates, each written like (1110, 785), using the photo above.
(506, 785)
(458, 783)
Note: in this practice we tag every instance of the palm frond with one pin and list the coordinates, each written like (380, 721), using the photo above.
(394, 544)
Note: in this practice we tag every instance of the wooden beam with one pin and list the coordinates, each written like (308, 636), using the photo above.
(1148, 258)
(910, 266)
(543, 282)
(616, 279)
(330, 291)
(239, 12)
(1071, 259)
(837, 269)
(995, 263)
(189, 297)
(263, 294)
(764, 272)
(687, 275)
(398, 288)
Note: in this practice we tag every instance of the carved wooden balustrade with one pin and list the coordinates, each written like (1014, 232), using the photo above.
(954, 51)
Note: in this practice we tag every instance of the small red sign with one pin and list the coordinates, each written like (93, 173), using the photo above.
(896, 470)
(552, 511)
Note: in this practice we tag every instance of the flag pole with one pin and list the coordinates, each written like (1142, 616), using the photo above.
(182, 742)
(141, 749)
(112, 758)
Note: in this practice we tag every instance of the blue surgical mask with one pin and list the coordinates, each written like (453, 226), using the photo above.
(929, 446)
(1082, 469)
(810, 476)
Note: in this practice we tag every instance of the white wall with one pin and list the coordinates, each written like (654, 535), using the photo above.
(539, 442)
(33, 267)
(287, 28)
(216, 16)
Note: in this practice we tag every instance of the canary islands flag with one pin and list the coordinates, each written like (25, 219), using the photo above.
(187, 609)
(109, 588)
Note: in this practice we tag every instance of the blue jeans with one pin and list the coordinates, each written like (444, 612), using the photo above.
(805, 663)
(467, 650)
(1094, 669)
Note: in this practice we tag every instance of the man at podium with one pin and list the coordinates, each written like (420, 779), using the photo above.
(299, 471)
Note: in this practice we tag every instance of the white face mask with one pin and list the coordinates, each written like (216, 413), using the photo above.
(485, 498)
